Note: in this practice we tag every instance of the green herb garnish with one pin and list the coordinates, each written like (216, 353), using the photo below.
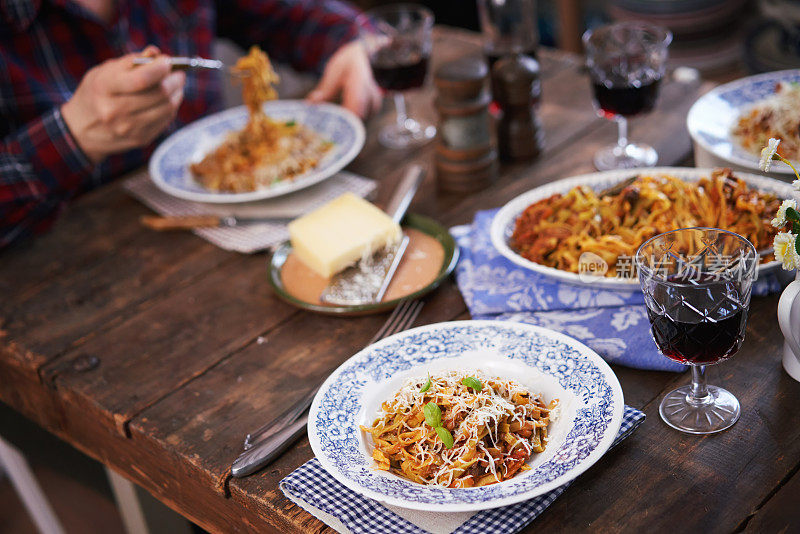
(433, 414)
(445, 436)
(290, 123)
(426, 386)
(472, 382)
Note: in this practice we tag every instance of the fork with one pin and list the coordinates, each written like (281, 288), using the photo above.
(186, 63)
(268, 442)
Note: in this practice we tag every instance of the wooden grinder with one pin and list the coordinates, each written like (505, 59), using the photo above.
(466, 159)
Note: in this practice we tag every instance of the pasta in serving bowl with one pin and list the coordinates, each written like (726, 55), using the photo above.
(510, 359)
(565, 219)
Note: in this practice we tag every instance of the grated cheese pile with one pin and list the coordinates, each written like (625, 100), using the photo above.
(478, 421)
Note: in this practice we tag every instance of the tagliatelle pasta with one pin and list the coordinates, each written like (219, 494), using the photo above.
(265, 151)
(555, 231)
(777, 116)
(460, 429)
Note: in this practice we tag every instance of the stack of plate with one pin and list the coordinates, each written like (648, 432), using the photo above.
(707, 33)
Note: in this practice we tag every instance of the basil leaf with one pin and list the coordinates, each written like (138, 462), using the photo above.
(290, 123)
(433, 414)
(427, 385)
(472, 382)
(445, 436)
(797, 244)
(792, 214)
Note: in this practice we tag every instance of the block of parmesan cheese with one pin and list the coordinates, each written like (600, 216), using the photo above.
(338, 234)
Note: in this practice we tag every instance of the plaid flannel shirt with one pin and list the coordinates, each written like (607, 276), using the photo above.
(46, 46)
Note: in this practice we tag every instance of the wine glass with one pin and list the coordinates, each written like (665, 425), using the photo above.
(508, 27)
(626, 61)
(697, 284)
(398, 42)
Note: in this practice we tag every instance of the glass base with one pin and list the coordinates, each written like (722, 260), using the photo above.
(628, 157)
(718, 411)
(412, 134)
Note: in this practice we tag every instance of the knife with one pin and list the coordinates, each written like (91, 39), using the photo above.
(189, 222)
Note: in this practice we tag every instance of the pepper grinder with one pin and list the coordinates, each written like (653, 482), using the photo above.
(466, 159)
(517, 90)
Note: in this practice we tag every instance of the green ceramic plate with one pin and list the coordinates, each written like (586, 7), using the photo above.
(418, 222)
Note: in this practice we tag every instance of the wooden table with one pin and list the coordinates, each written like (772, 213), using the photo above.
(156, 352)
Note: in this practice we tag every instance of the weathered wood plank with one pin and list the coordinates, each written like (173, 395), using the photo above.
(781, 512)
(178, 338)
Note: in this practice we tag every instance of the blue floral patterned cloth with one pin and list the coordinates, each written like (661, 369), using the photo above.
(613, 323)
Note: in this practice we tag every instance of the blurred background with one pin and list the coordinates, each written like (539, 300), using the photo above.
(723, 39)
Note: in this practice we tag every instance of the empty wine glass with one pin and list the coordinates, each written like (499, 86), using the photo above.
(398, 42)
(626, 61)
(697, 284)
(508, 27)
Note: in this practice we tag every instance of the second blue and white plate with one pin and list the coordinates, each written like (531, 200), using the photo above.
(169, 165)
(712, 117)
(589, 413)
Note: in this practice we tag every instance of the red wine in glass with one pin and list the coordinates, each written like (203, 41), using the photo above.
(687, 336)
(626, 99)
(399, 66)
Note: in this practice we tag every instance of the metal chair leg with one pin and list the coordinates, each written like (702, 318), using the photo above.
(28, 489)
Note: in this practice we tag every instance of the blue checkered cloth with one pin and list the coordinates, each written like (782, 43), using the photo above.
(613, 323)
(310, 483)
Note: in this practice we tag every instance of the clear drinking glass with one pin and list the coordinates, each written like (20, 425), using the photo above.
(508, 27)
(697, 284)
(398, 41)
(626, 61)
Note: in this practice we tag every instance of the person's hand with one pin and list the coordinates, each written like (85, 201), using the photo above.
(348, 73)
(119, 106)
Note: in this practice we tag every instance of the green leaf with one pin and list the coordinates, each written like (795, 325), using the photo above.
(433, 414)
(427, 385)
(792, 214)
(445, 436)
(797, 244)
(290, 123)
(472, 382)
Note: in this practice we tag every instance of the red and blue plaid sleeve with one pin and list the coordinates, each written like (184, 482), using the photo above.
(303, 33)
(41, 167)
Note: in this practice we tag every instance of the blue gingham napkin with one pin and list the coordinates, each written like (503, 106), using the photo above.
(312, 488)
(613, 323)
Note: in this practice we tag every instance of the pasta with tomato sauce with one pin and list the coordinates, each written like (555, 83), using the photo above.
(460, 430)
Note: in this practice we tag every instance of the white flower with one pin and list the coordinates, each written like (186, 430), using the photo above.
(780, 218)
(785, 251)
(796, 184)
(767, 153)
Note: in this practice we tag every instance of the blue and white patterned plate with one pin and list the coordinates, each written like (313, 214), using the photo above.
(712, 117)
(588, 418)
(503, 223)
(169, 165)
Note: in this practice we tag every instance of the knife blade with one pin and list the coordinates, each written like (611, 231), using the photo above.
(189, 222)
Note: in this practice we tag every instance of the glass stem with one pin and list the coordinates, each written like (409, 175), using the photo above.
(699, 393)
(400, 107)
(622, 131)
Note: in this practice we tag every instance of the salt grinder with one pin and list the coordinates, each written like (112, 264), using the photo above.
(466, 159)
(517, 90)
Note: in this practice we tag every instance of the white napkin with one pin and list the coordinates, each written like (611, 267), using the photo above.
(254, 237)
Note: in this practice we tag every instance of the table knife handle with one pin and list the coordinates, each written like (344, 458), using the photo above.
(267, 450)
(187, 222)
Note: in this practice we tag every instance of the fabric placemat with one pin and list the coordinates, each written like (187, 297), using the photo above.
(255, 237)
(613, 323)
(316, 491)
